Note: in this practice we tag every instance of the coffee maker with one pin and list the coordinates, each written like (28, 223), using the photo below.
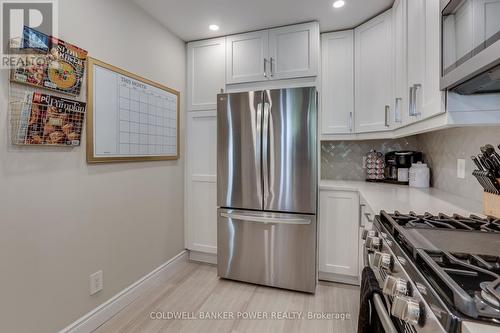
(398, 163)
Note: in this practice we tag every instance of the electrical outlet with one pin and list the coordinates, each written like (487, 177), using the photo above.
(364, 162)
(96, 282)
(461, 168)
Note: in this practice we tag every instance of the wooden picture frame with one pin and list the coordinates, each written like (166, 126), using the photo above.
(91, 157)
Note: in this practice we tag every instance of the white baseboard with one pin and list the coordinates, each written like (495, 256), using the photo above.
(208, 258)
(108, 309)
(339, 278)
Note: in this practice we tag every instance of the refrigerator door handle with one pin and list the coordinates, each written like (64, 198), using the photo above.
(265, 149)
(264, 219)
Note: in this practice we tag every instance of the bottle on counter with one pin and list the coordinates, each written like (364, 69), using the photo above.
(419, 175)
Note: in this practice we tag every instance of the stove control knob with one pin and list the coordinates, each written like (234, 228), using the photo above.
(369, 233)
(407, 309)
(384, 261)
(373, 243)
(394, 286)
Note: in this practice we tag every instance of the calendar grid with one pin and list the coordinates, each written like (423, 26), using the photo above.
(147, 122)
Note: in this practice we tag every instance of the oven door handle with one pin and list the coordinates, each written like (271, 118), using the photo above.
(384, 317)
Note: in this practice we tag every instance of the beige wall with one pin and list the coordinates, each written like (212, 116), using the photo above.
(61, 219)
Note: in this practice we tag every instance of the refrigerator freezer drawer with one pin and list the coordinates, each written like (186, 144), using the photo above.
(266, 248)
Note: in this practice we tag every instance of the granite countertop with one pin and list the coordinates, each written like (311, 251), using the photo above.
(390, 197)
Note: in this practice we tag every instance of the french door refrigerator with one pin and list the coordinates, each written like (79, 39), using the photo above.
(267, 187)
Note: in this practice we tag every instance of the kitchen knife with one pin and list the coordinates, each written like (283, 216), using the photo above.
(493, 154)
(480, 178)
(477, 163)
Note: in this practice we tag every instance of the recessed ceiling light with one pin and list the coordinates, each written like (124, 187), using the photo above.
(213, 27)
(338, 4)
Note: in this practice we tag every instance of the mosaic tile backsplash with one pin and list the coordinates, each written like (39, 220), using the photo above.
(442, 149)
(343, 160)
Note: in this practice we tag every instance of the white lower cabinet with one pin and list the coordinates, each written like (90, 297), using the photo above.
(339, 227)
(201, 184)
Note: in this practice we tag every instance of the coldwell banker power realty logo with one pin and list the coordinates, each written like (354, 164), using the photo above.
(40, 15)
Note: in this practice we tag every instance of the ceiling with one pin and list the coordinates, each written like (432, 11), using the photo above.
(189, 19)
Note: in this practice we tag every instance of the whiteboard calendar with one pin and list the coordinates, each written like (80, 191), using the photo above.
(129, 118)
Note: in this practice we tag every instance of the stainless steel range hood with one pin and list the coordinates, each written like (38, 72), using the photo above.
(470, 46)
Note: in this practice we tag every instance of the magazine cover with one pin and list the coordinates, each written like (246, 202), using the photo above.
(25, 111)
(55, 121)
(59, 67)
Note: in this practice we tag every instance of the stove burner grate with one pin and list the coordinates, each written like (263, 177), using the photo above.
(443, 221)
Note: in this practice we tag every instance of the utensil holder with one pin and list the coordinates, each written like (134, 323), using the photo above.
(491, 204)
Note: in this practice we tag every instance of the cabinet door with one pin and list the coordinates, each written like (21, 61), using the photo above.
(206, 73)
(246, 57)
(400, 65)
(373, 69)
(294, 51)
(201, 186)
(426, 100)
(337, 82)
(339, 233)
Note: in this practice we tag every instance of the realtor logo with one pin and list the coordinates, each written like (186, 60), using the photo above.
(40, 15)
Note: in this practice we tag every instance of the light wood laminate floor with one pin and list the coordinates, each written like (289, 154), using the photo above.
(196, 290)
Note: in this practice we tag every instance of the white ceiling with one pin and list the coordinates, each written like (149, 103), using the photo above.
(189, 19)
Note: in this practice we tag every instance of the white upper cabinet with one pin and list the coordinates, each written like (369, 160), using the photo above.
(425, 97)
(247, 57)
(400, 114)
(294, 51)
(206, 73)
(337, 82)
(281, 53)
(373, 74)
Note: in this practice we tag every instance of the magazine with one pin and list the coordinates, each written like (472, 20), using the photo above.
(24, 115)
(55, 121)
(59, 67)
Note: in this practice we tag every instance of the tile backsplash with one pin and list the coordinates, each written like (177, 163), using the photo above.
(442, 149)
(343, 159)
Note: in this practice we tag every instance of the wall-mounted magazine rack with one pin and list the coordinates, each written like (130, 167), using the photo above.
(41, 112)
(42, 118)
(47, 62)
(40, 124)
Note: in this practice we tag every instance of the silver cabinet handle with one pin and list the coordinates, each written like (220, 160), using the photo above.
(265, 67)
(384, 317)
(271, 65)
(387, 111)
(415, 109)
(350, 121)
(410, 105)
(397, 111)
(264, 219)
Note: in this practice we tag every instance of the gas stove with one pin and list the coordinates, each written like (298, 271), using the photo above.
(437, 271)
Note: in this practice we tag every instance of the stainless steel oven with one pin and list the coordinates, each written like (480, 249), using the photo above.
(470, 46)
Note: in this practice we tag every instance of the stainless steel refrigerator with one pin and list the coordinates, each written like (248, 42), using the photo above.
(267, 187)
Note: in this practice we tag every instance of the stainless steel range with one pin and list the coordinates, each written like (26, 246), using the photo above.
(437, 272)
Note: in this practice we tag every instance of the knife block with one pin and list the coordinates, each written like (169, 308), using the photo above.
(491, 204)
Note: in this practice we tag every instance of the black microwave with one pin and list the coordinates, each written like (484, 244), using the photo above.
(470, 46)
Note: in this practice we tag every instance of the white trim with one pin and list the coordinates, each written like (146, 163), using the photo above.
(108, 309)
(339, 278)
(208, 258)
